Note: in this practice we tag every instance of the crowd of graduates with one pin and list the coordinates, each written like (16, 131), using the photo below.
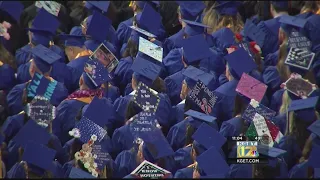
(96, 89)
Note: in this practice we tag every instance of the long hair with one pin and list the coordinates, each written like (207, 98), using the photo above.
(282, 68)
(7, 58)
(309, 6)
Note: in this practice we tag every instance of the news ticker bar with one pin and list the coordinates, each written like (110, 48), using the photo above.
(248, 161)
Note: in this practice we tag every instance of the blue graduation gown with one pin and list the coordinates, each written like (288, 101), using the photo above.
(178, 112)
(77, 65)
(174, 86)
(12, 125)
(23, 55)
(112, 93)
(113, 39)
(125, 163)
(122, 139)
(186, 172)
(124, 31)
(183, 157)
(231, 127)
(123, 73)
(120, 105)
(276, 100)
(171, 42)
(8, 78)
(240, 171)
(223, 79)
(271, 59)
(299, 171)
(14, 97)
(271, 78)
(173, 62)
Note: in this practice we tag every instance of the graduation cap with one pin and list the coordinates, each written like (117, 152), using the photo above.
(144, 122)
(149, 19)
(315, 128)
(95, 74)
(72, 40)
(206, 137)
(314, 158)
(13, 8)
(271, 152)
(98, 111)
(45, 22)
(199, 118)
(98, 27)
(252, 31)
(251, 87)
(298, 87)
(44, 57)
(192, 75)
(299, 58)
(135, 35)
(304, 108)
(143, 170)
(86, 129)
(290, 22)
(240, 62)
(194, 28)
(51, 7)
(101, 6)
(146, 99)
(31, 131)
(255, 107)
(39, 155)
(205, 162)
(41, 86)
(190, 10)
(77, 173)
(150, 49)
(145, 71)
(41, 110)
(141, 4)
(227, 7)
(195, 48)
(280, 4)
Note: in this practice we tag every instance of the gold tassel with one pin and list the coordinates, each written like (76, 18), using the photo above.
(131, 4)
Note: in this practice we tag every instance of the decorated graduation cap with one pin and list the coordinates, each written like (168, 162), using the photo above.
(205, 163)
(77, 173)
(149, 19)
(13, 8)
(98, 26)
(192, 75)
(227, 7)
(198, 118)
(240, 62)
(255, 107)
(95, 74)
(100, 6)
(194, 28)
(252, 31)
(146, 99)
(40, 156)
(44, 58)
(280, 4)
(43, 27)
(31, 131)
(143, 170)
(191, 10)
(145, 71)
(41, 86)
(251, 87)
(300, 60)
(41, 110)
(298, 87)
(195, 48)
(206, 137)
(150, 49)
(304, 108)
(271, 152)
(144, 122)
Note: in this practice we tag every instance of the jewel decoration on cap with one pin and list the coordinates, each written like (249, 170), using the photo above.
(251, 87)
(298, 86)
(51, 7)
(41, 110)
(4, 26)
(255, 48)
(255, 107)
(300, 58)
(146, 98)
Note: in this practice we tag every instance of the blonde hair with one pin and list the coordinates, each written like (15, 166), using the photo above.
(216, 21)
(286, 101)
(282, 68)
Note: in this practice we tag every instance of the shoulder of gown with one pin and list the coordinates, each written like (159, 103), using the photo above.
(231, 127)
(176, 135)
(12, 125)
(183, 157)
(172, 62)
(174, 86)
(8, 77)
(125, 163)
(14, 99)
(122, 139)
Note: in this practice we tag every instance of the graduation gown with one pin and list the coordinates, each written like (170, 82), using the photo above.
(183, 157)
(173, 62)
(124, 31)
(122, 139)
(8, 78)
(186, 172)
(276, 100)
(178, 112)
(172, 42)
(174, 86)
(14, 97)
(125, 163)
(271, 59)
(299, 171)
(231, 127)
(120, 105)
(271, 78)
(123, 73)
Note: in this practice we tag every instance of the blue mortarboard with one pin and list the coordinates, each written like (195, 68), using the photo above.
(192, 75)
(156, 144)
(195, 48)
(150, 49)
(87, 128)
(149, 19)
(77, 173)
(145, 71)
(98, 27)
(98, 5)
(289, 22)
(252, 31)
(98, 111)
(240, 62)
(31, 131)
(13, 8)
(141, 4)
(227, 7)
(315, 128)
(280, 4)
(304, 108)
(200, 117)
(75, 38)
(44, 57)
(271, 152)
(205, 162)
(194, 28)
(95, 74)
(39, 155)
(146, 99)
(314, 158)
(45, 22)
(208, 137)
(190, 10)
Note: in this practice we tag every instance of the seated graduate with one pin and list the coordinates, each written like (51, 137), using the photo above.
(123, 31)
(190, 56)
(37, 161)
(41, 31)
(203, 167)
(103, 7)
(93, 76)
(40, 69)
(89, 148)
(188, 11)
(227, 91)
(301, 114)
(33, 133)
(204, 138)
(7, 70)
(151, 146)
